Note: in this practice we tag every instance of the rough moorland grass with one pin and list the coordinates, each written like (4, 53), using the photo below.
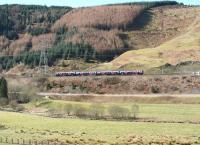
(182, 48)
(42, 128)
(157, 112)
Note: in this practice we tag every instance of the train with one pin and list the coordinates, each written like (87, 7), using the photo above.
(99, 73)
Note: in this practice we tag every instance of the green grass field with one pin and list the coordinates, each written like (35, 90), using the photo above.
(165, 126)
(157, 112)
(42, 128)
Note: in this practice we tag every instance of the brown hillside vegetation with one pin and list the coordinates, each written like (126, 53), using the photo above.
(111, 16)
(126, 85)
(4, 42)
(152, 28)
(166, 23)
(19, 45)
(147, 29)
(43, 41)
(180, 49)
(101, 40)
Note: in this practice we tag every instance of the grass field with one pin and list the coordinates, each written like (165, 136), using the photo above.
(156, 112)
(41, 128)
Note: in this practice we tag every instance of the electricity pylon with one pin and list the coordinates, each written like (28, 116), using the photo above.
(43, 64)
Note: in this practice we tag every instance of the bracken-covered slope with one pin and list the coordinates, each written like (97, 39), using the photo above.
(185, 47)
(142, 29)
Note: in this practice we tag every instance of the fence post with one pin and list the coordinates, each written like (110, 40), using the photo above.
(12, 141)
(29, 142)
(17, 141)
(0, 139)
(6, 140)
(47, 142)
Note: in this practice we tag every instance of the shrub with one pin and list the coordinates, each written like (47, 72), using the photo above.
(155, 89)
(54, 113)
(68, 108)
(135, 111)
(117, 112)
(19, 108)
(80, 111)
(3, 91)
(2, 127)
(13, 104)
(3, 101)
(96, 111)
(112, 80)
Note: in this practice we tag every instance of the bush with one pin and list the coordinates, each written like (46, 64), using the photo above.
(3, 91)
(112, 81)
(2, 127)
(15, 106)
(68, 108)
(80, 111)
(155, 89)
(54, 113)
(117, 112)
(19, 108)
(96, 111)
(3, 101)
(135, 111)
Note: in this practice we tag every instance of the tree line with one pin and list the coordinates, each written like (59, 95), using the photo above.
(96, 111)
(149, 4)
(63, 51)
(15, 19)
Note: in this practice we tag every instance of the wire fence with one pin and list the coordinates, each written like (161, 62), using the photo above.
(15, 141)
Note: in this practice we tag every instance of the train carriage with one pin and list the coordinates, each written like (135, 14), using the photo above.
(99, 73)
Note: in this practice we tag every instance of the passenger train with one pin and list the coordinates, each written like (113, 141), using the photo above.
(99, 73)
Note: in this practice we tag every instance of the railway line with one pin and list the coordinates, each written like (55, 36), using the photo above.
(95, 73)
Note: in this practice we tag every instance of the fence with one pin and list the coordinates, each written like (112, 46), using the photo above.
(16, 141)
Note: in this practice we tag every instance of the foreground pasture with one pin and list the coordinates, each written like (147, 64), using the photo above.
(90, 131)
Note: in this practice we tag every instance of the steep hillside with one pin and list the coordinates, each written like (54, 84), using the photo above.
(20, 24)
(101, 17)
(182, 48)
(150, 28)
(93, 34)
(16, 19)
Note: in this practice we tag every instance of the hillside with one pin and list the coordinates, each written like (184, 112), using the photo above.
(20, 24)
(101, 17)
(94, 34)
(182, 48)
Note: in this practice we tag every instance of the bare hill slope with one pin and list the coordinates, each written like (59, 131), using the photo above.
(185, 47)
